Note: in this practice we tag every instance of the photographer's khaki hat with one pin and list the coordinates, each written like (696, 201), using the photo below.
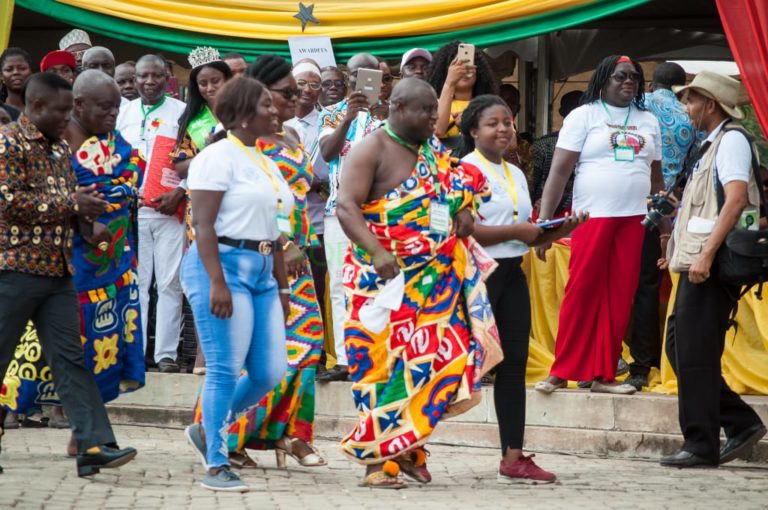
(723, 89)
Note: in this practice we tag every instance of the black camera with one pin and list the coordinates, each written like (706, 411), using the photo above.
(660, 206)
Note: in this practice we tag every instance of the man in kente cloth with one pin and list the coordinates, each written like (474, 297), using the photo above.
(419, 332)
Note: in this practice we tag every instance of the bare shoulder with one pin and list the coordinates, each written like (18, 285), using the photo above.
(369, 146)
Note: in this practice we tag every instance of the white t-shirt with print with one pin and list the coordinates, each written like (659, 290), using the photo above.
(248, 208)
(499, 210)
(603, 186)
(163, 121)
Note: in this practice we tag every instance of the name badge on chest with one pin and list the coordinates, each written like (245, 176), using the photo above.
(624, 153)
(439, 218)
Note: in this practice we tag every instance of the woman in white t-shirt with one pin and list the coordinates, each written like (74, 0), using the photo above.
(614, 146)
(233, 274)
(505, 230)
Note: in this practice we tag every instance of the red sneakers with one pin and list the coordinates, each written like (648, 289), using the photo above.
(524, 470)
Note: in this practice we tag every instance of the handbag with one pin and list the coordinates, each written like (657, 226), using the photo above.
(743, 257)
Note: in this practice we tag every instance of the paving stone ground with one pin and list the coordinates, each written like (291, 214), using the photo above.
(166, 475)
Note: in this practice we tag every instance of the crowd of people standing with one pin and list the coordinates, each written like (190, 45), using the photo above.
(274, 185)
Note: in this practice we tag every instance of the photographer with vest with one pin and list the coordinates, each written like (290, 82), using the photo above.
(721, 195)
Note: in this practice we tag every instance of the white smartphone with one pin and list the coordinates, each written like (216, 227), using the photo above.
(466, 52)
(369, 83)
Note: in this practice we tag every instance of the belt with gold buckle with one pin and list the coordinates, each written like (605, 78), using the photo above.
(263, 247)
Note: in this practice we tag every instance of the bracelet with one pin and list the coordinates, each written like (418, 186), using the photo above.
(284, 291)
(665, 236)
(286, 245)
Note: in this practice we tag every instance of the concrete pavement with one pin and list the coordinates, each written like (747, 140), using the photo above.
(166, 475)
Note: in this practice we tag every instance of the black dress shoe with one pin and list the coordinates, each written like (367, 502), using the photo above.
(683, 459)
(740, 444)
(90, 462)
(337, 373)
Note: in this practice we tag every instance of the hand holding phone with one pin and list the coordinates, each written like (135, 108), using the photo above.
(466, 52)
(550, 224)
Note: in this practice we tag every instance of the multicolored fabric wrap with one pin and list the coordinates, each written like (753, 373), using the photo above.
(289, 409)
(427, 362)
(107, 286)
(202, 126)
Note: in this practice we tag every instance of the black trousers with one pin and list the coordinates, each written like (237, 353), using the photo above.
(644, 339)
(695, 341)
(511, 305)
(51, 304)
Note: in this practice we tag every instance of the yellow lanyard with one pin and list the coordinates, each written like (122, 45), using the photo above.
(262, 163)
(508, 183)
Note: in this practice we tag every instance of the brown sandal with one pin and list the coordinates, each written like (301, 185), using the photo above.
(241, 460)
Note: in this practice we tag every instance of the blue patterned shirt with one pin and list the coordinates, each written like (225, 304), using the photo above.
(677, 133)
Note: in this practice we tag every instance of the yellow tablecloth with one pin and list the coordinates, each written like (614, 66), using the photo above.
(745, 360)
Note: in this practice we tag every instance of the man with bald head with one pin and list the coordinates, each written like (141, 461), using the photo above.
(342, 126)
(39, 201)
(150, 124)
(101, 59)
(412, 358)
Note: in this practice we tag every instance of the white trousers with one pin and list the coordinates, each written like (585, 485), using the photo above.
(161, 247)
(336, 243)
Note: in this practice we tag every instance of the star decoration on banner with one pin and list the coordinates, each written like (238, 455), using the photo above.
(305, 15)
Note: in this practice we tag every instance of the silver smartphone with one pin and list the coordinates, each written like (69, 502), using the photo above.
(369, 83)
(466, 52)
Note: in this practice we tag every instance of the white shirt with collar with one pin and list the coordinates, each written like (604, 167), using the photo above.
(733, 160)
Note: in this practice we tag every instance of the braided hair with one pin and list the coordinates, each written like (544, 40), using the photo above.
(470, 120)
(13, 52)
(269, 69)
(438, 70)
(601, 76)
(195, 100)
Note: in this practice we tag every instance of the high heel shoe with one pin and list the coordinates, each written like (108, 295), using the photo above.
(284, 447)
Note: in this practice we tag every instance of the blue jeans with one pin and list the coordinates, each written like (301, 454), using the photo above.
(253, 338)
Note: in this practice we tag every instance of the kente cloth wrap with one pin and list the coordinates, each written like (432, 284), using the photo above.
(289, 409)
(107, 286)
(427, 362)
(296, 168)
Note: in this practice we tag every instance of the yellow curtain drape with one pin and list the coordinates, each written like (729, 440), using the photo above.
(744, 362)
(6, 18)
(273, 19)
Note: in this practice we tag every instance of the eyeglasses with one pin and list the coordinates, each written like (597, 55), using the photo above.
(288, 93)
(339, 84)
(621, 76)
(311, 84)
(387, 78)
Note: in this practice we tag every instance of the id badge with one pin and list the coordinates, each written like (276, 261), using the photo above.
(623, 153)
(749, 220)
(283, 224)
(439, 218)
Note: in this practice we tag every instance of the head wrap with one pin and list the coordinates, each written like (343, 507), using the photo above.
(76, 36)
(305, 67)
(58, 58)
(623, 60)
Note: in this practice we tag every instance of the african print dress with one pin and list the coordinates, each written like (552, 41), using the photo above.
(289, 409)
(106, 283)
(422, 361)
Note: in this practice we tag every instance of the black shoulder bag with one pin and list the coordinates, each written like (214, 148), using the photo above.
(743, 257)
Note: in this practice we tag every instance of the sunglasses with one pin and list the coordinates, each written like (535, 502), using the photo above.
(387, 78)
(621, 76)
(339, 84)
(311, 84)
(288, 93)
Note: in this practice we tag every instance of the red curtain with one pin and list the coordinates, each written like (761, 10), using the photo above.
(746, 26)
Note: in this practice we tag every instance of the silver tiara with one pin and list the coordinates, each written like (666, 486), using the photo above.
(203, 55)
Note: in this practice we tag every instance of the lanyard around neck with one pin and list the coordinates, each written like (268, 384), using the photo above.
(610, 119)
(262, 163)
(145, 113)
(429, 156)
(508, 183)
